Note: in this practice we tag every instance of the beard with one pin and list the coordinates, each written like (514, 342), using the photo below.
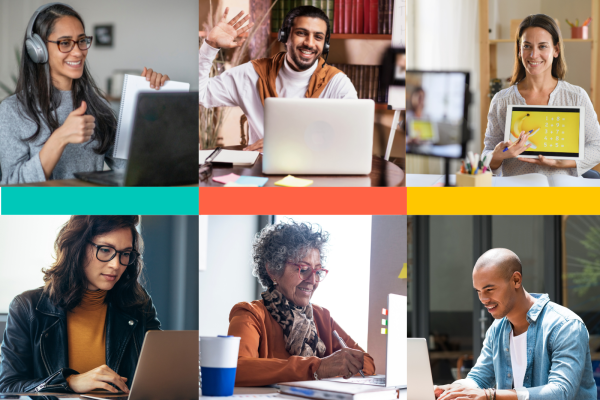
(301, 64)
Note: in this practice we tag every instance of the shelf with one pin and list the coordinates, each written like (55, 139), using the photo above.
(361, 36)
(381, 106)
(494, 41)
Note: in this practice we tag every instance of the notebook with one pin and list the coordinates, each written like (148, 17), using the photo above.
(540, 180)
(132, 86)
(336, 390)
(236, 157)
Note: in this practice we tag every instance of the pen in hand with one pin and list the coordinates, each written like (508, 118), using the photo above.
(345, 346)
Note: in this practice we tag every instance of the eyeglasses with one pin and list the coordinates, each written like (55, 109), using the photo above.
(66, 45)
(306, 271)
(107, 253)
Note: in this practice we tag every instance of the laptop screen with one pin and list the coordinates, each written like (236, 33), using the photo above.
(396, 363)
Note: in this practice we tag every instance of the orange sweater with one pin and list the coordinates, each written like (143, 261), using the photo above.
(87, 333)
(263, 359)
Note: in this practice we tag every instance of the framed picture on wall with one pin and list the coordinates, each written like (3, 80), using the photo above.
(103, 35)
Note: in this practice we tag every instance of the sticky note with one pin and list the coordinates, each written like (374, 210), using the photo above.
(291, 181)
(384, 322)
(384, 311)
(384, 331)
(403, 272)
(252, 180)
(226, 178)
(235, 184)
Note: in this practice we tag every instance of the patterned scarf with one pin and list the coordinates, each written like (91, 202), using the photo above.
(299, 329)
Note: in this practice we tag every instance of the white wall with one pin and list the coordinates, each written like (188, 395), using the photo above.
(228, 278)
(26, 246)
(152, 33)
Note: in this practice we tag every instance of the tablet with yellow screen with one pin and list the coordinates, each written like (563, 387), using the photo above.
(556, 132)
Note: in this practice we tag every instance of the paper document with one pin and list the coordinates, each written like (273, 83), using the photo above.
(237, 157)
(132, 86)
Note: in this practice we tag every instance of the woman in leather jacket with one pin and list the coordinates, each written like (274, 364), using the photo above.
(83, 330)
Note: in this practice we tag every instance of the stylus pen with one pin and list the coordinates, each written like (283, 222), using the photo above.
(345, 346)
(213, 155)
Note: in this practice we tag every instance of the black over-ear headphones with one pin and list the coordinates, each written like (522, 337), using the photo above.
(284, 34)
(36, 48)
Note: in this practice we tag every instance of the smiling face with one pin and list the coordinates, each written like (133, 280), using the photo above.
(495, 292)
(305, 43)
(105, 275)
(537, 51)
(292, 287)
(64, 67)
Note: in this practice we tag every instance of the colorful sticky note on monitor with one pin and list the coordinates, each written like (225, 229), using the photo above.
(383, 331)
(252, 180)
(291, 181)
(384, 311)
(384, 322)
(403, 272)
(226, 178)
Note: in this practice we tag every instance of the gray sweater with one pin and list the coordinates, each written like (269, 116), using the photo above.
(20, 160)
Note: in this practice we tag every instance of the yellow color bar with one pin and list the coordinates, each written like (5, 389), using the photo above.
(384, 331)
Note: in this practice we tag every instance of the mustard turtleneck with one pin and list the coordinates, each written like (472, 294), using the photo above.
(87, 333)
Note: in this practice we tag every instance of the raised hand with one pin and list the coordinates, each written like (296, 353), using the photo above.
(78, 127)
(228, 35)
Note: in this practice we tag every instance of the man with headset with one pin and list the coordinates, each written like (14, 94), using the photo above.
(299, 72)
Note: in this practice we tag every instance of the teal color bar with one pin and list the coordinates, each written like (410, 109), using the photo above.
(99, 200)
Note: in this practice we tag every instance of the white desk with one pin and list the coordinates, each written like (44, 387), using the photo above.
(528, 180)
(270, 393)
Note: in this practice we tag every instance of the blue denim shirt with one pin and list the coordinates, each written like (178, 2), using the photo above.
(559, 365)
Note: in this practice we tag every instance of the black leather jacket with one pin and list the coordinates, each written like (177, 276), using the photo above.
(34, 355)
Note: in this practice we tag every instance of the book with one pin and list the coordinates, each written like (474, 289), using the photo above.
(380, 16)
(236, 157)
(132, 86)
(337, 390)
(374, 15)
(336, 16)
(540, 180)
(347, 16)
(360, 16)
(330, 11)
(390, 16)
(353, 16)
(367, 16)
(275, 22)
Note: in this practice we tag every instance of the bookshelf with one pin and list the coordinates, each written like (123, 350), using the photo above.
(488, 60)
(360, 36)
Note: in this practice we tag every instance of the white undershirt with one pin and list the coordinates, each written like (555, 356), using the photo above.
(237, 87)
(518, 357)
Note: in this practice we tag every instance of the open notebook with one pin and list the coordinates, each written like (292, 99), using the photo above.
(132, 86)
(236, 157)
(540, 180)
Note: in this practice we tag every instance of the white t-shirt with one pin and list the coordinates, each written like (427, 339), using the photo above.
(518, 358)
(237, 87)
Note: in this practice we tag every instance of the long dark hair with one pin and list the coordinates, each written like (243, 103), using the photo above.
(39, 99)
(559, 64)
(65, 281)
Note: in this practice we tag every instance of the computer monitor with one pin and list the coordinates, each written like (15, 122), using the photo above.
(437, 105)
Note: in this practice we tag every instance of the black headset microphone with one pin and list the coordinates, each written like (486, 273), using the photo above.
(284, 34)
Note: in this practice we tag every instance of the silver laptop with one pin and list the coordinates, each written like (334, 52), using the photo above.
(396, 355)
(318, 136)
(420, 383)
(167, 368)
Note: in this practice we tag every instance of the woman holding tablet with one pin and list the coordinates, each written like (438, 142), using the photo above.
(537, 79)
(84, 329)
(57, 122)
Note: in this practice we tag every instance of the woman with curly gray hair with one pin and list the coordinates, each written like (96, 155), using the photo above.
(284, 336)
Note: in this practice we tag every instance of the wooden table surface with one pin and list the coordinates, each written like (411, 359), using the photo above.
(69, 183)
(383, 173)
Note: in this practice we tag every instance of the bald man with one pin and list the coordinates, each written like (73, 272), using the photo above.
(535, 349)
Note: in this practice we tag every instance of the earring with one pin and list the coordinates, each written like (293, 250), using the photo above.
(274, 283)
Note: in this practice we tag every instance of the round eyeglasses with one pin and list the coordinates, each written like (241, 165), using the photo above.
(107, 253)
(306, 271)
(66, 45)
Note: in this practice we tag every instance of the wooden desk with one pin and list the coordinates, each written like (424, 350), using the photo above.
(383, 173)
(68, 183)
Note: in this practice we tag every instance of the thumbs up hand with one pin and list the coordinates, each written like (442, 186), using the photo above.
(78, 127)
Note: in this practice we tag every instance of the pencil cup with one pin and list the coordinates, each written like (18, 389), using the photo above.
(579, 32)
(479, 180)
(218, 363)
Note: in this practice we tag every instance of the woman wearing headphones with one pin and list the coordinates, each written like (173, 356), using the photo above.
(83, 330)
(538, 74)
(58, 121)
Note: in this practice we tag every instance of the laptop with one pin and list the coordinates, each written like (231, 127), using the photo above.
(419, 373)
(167, 368)
(318, 136)
(396, 355)
(164, 144)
